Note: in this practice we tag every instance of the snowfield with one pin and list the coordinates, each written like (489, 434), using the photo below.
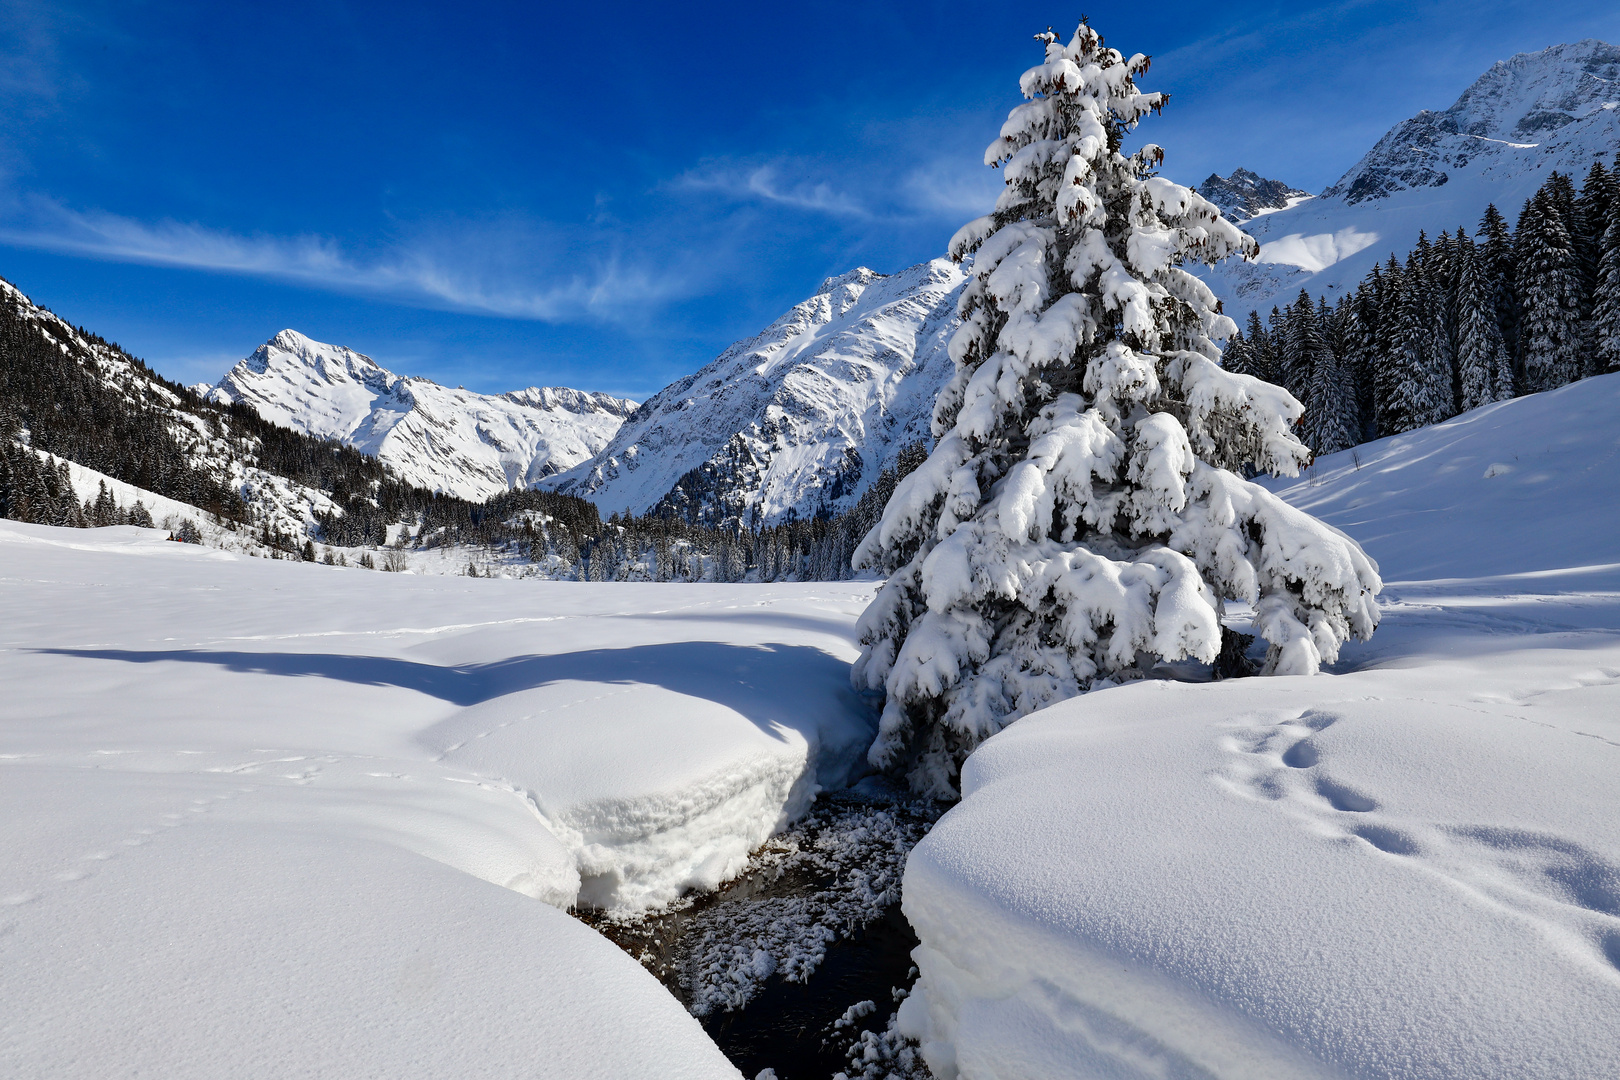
(1407, 868)
(269, 819)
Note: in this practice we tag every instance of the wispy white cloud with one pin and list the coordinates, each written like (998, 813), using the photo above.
(954, 190)
(942, 190)
(765, 183)
(427, 272)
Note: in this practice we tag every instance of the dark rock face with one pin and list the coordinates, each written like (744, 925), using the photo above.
(1244, 194)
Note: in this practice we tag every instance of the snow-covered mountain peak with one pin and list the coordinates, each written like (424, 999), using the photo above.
(1524, 118)
(796, 420)
(1559, 102)
(448, 439)
(1246, 194)
(861, 276)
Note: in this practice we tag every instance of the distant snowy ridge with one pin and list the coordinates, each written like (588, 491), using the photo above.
(796, 420)
(450, 440)
(1244, 194)
(1557, 109)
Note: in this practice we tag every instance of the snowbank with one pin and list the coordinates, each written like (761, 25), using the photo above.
(265, 817)
(1407, 869)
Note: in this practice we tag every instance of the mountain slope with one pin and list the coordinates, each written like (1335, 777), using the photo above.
(1557, 109)
(797, 420)
(449, 440)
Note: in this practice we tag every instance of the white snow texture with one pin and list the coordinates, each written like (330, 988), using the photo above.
(265, 819)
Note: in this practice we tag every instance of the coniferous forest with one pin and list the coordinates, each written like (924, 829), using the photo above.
(1462, 322)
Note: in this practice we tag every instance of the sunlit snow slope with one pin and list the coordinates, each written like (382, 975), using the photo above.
(799, 419)
(1409, 868)
(270, 819)
(450, 440)
(1557, 109)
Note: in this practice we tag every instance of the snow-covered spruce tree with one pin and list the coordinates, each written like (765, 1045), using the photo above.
(1496, 273)
(1484, 370)
(1606, 301)
(1549, 306)
(1077, 520)
(1331, 421)
(1421, 390)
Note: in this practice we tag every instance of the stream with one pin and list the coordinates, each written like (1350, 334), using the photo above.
(799, 962)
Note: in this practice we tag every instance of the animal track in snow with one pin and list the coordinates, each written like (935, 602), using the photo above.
(1568, 892)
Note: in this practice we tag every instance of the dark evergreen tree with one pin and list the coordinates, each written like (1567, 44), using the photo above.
(1330, 411)
(1605, 335)
(1548, 290)
(1422, 380)
(1485, 374)
(1262, 350)
(1497, 278)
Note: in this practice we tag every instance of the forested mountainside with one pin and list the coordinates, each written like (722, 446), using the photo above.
(1464, 321)
(67, 395)
(1557, 110)
(445, 439)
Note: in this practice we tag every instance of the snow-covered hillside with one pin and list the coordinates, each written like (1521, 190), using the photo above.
(450, 440)
(1557, 109)
(1409, 868)
(800, 418)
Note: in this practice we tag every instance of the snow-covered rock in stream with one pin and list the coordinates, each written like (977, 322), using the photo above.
(1532, 114)
(1406, 869)
(796, 420)
(441, 438)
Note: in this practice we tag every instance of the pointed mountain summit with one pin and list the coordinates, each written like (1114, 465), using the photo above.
(450, 440)
(796, 421)
(1524, 118)
(1245, 195)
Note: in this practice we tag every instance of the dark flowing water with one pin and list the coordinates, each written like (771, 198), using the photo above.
(789, 1026)
(823, 898)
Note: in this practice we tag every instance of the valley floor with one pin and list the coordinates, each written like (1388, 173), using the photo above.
(265, 819)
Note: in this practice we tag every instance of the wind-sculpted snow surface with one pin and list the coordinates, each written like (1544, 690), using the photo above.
(450, 440)
(1530, 115)
(265, 819)
(800, 419)
(1409, 868)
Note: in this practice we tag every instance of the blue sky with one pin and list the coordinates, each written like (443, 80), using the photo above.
(604, 196)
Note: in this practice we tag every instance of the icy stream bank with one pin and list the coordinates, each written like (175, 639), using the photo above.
(787, 963)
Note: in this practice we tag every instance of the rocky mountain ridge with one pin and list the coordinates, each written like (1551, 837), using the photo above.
(1525, 117)
(445, 439)
(1245, 195)
(793, 422)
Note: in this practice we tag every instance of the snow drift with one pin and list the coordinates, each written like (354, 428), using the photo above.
(263, 818)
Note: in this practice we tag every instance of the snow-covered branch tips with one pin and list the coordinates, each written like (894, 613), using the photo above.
(1081, 516)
